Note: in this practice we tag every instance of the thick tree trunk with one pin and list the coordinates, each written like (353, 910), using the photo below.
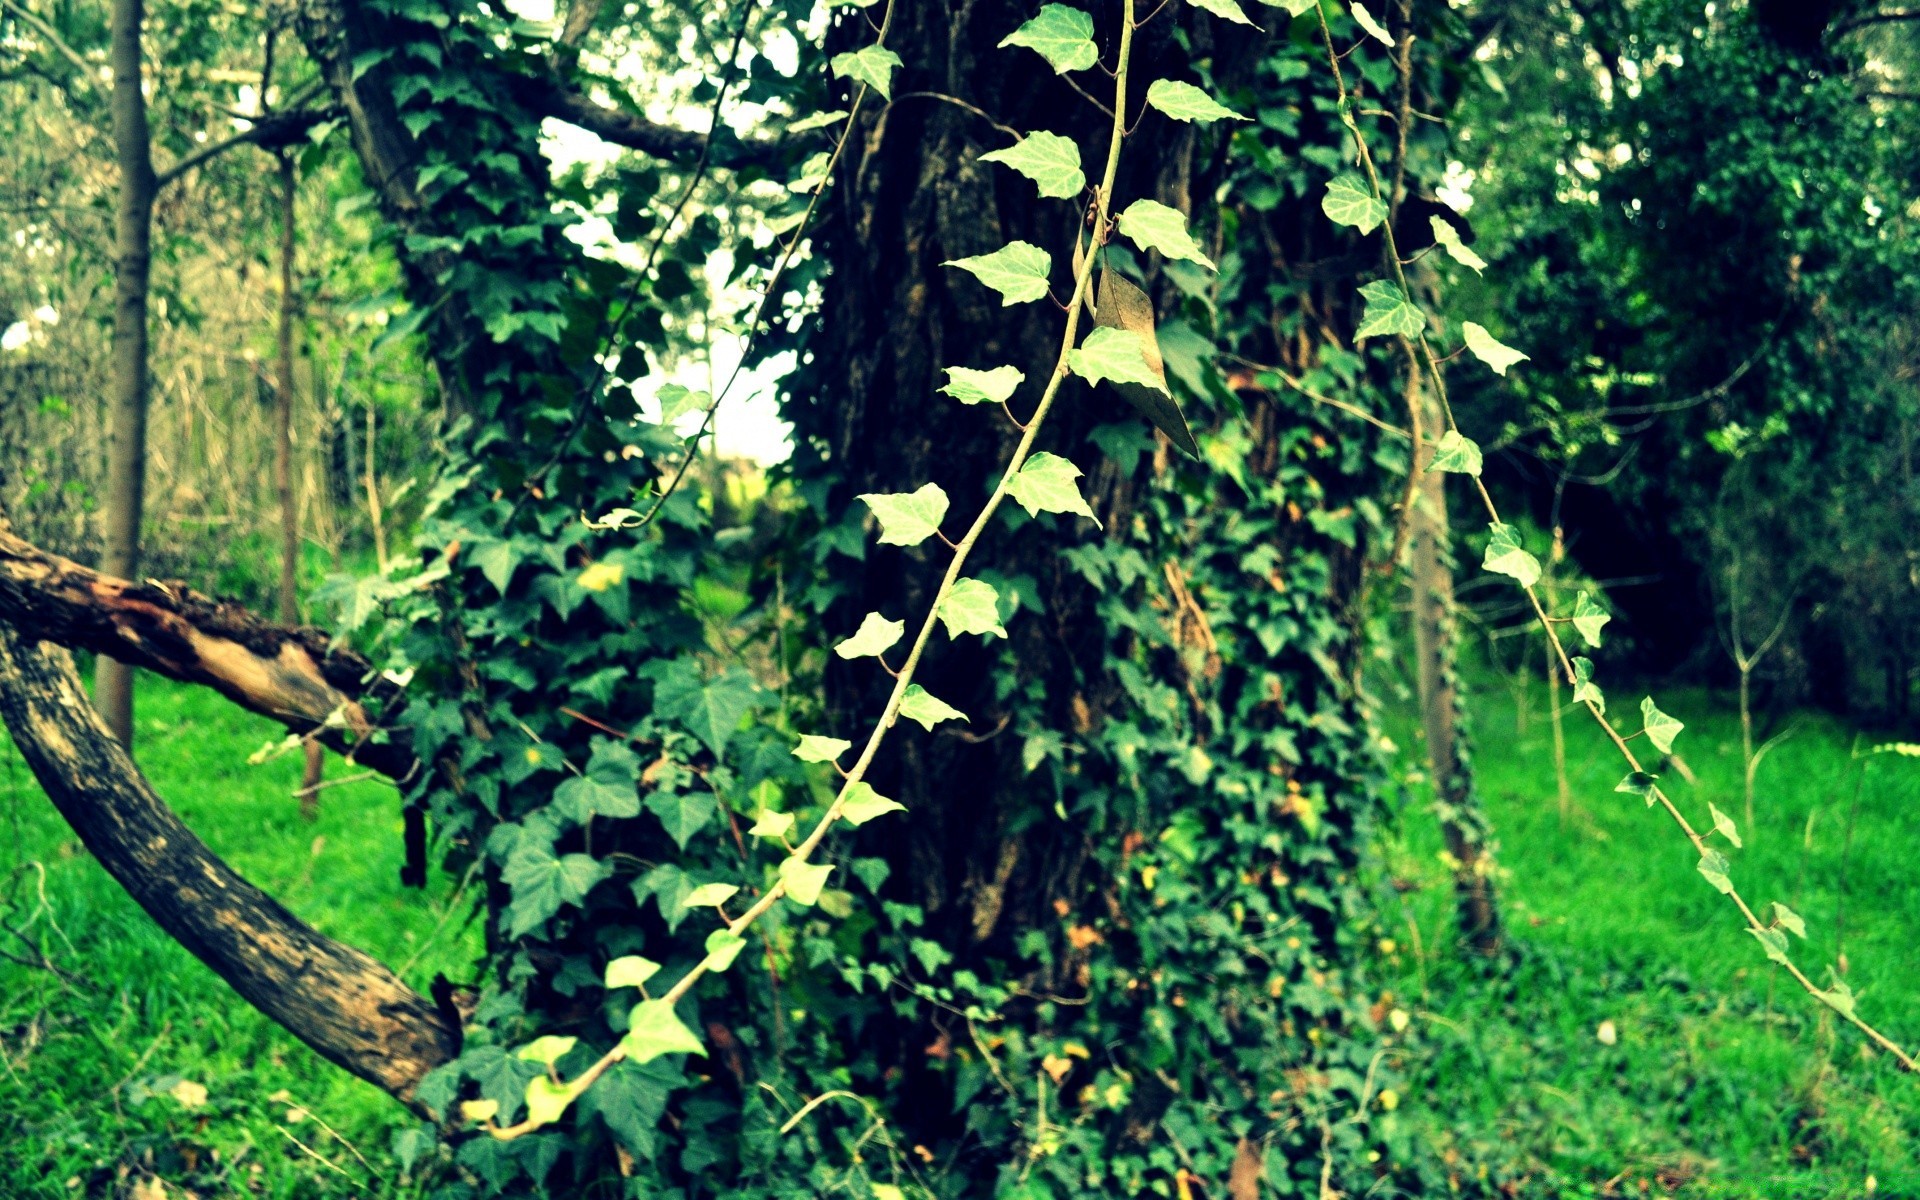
(348, 1007)
(127, 420)
(1436, 652)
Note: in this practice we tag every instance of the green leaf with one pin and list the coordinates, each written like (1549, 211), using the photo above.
(1638, 783)
(773, 825)
(1116, 354)
(547, 1101)
(1714, 867)
(907, 518)
(709, 709)
(1224, 8)
(816, 749)
(1448, 239)
(871, 65)
(1365, 20)
(1061, 35)
(1789, 920)
(723, 946)
(1723, 825)
(1589, 618)
(1046, 484)
(1661, 728)
(1774, 942)
(546, 1050)
(630, 971)
(710, 895)
(1490, 351)
(1293, 7)
(1051, 161)
(677, 402)
(821, 120)
(606, 789)
(655, 1029)
(1505, 556)
(1388, 311)
(929, 710)
(682, 814)
(1017, 270)
(542, 883)
(970, 606)
(1349, 201)
(1584, 689)
(804, 880)
(983, 387)
(863, 804)
(1151, 225)
(1185, 102)
(1458, 453)
(1839, 998)
(876, 634)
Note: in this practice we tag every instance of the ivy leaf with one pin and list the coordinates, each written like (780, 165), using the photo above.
(655, 1029)
(1060, 34)
(1046, 484)
(723, 946)
(1661, 728)
(1125, 307)
(598, 577)
(929, 710)
(1185, 102)
(1458, 453)
(605, 789)
(1388, 311)
(1505, 556)
(1789, 920)
(713, 714)
(547, 1101)
(804, 880)
(682, 814)
(1224, 8)
(1448, 239)
(1051, 161)
(546, 1050)
(875, 636)
(821, 120)
(1294, 7)
(871, 65)
(1017, 270)
(969, 386)
(542, 883)
(1584, 689)
(1638, 783)
(863, 804)
(1774, 943)
(816, 749)
(971, 606)
(907, 518)
(677, 401)
(630, 971)
(1349, 201)
(1839, 998)
(1152, 225)
(1365, 20)
(772, 825)
(1714, 867)
(710, 895)
(1116, 354)
(1490, 351)
(1589, 618)
(1723, 825)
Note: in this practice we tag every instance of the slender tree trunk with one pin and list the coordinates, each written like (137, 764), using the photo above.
(1436, 649)
(127, 420)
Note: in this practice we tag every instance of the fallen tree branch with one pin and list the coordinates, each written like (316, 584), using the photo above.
(349, 1007)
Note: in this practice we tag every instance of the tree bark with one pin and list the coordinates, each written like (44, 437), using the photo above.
(351, 1009)
(127, 430)
(293, 676)
(1436, 651)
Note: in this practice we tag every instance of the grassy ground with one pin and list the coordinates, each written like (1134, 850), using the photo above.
(1719, 1082)
(1722, 1078)
(101, 1068)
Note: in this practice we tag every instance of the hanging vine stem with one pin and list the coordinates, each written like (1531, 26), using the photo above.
(853, 775)
(1839, 1000)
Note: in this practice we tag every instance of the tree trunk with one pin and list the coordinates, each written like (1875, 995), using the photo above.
(352, 1010)
(127, 419)
(1436, 650)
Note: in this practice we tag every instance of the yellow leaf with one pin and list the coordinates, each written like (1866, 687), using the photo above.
(601, 576)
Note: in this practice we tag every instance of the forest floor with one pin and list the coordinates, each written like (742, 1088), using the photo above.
(134, 1064)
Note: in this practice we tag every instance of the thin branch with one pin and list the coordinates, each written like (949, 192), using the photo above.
(281, 129)
(1875, 18)
(549, 97)
(45, 30)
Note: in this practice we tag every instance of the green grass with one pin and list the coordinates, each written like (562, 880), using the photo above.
(1725, 1080)
(88, 1065)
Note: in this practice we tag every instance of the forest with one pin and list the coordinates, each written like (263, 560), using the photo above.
(1025, 599)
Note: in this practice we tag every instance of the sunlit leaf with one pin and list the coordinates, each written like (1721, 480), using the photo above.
(1584, 689)
(875, 635)
(994, 386)
(1448, 239)
(1051, 161)
(814, 748)
(655, 1029)
(1046, 483)
(1349, 201)
(1458, 453)
(1185, 102)
(1017, 270)
(1505, 556)
(1723, 825)
(1365, 20)
(1114, 354)
(1774, 943)
(723, 946)
(546, 1050)
(1223, 8)
(710, 895)
(863, 804)
(1638, 783)
(1060, 34)
(1152, 225)
(927, 709)
(774, 825)
(630, 971)
(970, 606)
(547, 1101)
(907, 518)
(1661, 728)
(1388, 312)
(804, 880)
(1589, 618)
(1789, 920)
(1713, 868)
(1491, 351)
(871, 65)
